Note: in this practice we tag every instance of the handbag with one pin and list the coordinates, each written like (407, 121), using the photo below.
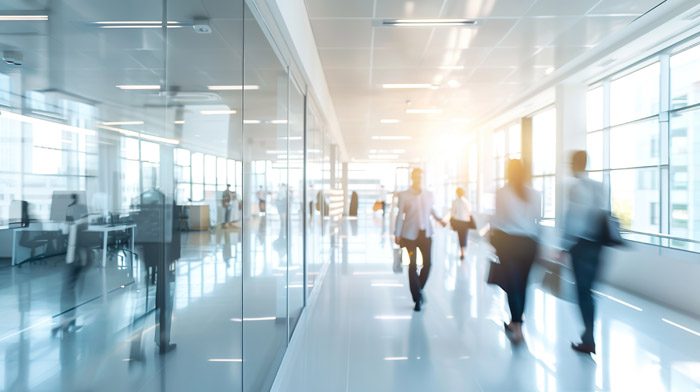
(471, 225)
(496, 274)
(377, 206)
(559, 287)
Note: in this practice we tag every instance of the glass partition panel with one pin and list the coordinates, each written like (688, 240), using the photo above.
(297, 207)
(266, 156)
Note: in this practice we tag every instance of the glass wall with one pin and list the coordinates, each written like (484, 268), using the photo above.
(642, 138)
(156, 184)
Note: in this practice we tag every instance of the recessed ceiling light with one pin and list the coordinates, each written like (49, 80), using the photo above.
(391, 137)
(23, 18)
(423, 111)
(251, 121)
(428, 22)
(138, 86)
(452, 67)
(214, 112)
(179, 122)
(453, 84)
(122, 123)
(277, 122)
(549, 70)
(389, 121)
(407, 85)
(235, 87)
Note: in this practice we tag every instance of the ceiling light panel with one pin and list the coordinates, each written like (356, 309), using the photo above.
(23, 18)
(428, 22)
(138, 86)
(389, 121)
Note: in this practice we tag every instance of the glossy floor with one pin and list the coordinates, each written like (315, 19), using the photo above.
(111, 346)
(360, 333)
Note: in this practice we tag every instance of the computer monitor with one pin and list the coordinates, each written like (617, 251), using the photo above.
(60, 200)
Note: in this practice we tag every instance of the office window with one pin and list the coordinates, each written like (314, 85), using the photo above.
(635, 95)
(685, 78)
(639, 170)
(544, 141)
(635, 144)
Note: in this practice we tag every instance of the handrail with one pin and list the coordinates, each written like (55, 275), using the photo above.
(660, 235)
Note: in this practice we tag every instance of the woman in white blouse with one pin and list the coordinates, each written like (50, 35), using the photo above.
(515, 232)
(460, 215)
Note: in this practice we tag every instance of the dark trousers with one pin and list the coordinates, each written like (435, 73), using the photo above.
(417, 282)
(585, 258)
(461, 227)
(516, 254)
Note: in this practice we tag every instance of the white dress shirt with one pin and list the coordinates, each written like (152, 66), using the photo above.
(461, 209)
(414, 214)
(586, 204)
(516, 216)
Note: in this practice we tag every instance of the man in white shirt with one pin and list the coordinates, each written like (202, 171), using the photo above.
(414, 230)
(583, 226)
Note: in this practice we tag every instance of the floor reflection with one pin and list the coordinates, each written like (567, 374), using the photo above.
(459, 336)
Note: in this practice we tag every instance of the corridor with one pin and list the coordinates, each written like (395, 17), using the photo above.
(360, 333)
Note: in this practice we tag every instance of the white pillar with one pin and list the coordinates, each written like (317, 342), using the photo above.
(571, 135)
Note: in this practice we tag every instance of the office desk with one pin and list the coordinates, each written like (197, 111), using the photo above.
(104, 230)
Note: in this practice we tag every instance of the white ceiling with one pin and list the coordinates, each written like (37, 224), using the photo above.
(511, 50)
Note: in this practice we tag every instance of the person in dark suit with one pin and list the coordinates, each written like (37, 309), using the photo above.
(582, 231)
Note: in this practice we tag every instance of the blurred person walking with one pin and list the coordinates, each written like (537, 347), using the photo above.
(414, 231)
(514, 236)
(461, 219)
(582, 240)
